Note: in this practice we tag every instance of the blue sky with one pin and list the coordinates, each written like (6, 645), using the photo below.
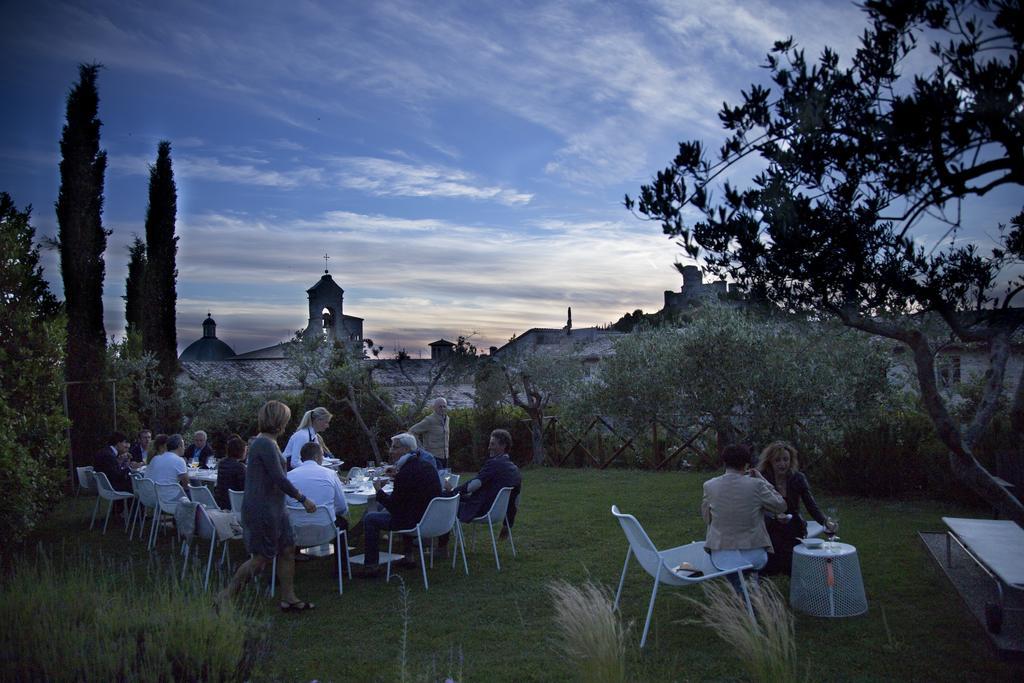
(463, 164)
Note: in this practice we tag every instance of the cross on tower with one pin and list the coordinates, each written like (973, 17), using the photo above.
(325, 262)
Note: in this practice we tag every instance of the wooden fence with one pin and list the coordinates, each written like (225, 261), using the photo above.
(658, 446)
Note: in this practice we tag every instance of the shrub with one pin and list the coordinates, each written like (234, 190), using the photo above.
(32, 336)
(89, 619)
(764, 645)
(589, 631)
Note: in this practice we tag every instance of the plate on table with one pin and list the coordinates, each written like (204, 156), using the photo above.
(812, 542)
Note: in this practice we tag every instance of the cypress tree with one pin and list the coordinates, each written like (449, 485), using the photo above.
(82, 241)
(159, 322)
(133, 287)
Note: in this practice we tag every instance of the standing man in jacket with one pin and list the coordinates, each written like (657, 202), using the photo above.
(432, 432)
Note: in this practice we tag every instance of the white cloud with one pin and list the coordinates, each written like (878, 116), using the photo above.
(384, 177)
(427, 274)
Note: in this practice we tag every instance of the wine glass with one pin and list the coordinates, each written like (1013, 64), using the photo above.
(832, 525)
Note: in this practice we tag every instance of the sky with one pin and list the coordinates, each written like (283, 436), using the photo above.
(462, 164)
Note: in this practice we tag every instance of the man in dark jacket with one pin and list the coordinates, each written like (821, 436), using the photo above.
(200, 449)
(113, 461)
(140, 449)
(416, 484)
(498, 472)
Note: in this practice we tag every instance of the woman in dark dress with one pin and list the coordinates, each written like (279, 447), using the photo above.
(778, 463)
(265, 525)
(230, 472)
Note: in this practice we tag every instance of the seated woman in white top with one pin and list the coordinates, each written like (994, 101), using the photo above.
(169, 468)
(312, 423)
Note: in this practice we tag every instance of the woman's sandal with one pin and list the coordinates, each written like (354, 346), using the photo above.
(300, 606)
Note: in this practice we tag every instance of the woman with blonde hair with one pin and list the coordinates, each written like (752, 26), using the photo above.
(778, 463)
(312, 423)
(267, 531)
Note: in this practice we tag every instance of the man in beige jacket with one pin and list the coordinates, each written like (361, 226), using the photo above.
(432, 432)
(734, 507)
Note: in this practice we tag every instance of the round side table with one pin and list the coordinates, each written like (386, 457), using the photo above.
(827, 582)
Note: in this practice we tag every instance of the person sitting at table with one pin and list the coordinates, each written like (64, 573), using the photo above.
(320, 484)
(113, 461)
(140, 449)
(405, 446)
(779, 465)
(498, 471)
(158, 446)
(200, 451)
(734, 507)
(169, 468)
(312, 423)
(230, 472)
(416, 484)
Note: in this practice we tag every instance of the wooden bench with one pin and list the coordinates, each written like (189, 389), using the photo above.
(997, 546)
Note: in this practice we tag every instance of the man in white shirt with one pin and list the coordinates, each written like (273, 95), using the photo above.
(169, 468)
(318, 483)
(321, 485)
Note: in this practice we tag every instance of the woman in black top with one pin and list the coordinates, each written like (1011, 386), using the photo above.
(779, 465)
(230, 472)
(265, 527)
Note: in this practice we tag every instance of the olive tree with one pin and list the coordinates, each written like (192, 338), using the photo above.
(860, 162)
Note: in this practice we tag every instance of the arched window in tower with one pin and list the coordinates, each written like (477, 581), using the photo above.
(327, 320)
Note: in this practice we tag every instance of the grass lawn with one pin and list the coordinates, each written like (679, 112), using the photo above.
(494, 626)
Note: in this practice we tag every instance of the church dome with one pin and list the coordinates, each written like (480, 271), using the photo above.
(209, 348)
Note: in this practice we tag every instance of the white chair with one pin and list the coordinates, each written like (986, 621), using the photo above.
(168, 496)
(311, 530)
(109, 493)
(207, 530)
(202, 495)
(497, 515)
(87, 483)
(661, 564)
(236, 498)
(145, 493)
(440, 518)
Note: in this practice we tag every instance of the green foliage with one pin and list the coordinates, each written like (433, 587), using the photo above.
(471, 430)
(134, 296)
(750, 376)
(536, 382)
(854, 158)
(82, 241)
(855, 155)
(500, 624)
(32, 424)
(87, 618)
(221, 407)
(338, 378)
(159, 319)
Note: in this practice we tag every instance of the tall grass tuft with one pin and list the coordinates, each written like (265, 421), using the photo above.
(766, 644)
(90, 619)
(590, 631)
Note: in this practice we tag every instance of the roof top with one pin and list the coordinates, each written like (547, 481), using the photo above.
(326, 283)
(206, 349)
